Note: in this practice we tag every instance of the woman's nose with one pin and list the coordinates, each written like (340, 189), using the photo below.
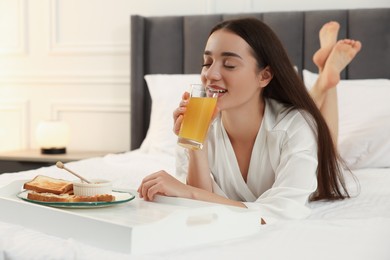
(212, 73)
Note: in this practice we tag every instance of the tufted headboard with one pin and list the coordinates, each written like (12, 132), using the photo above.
(174, 45)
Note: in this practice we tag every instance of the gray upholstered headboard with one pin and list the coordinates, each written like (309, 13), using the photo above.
(174, 45)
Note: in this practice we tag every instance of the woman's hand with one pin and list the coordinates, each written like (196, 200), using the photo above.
(162, 183)
(178, 113)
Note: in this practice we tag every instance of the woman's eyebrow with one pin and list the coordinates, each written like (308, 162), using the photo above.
(226, 54)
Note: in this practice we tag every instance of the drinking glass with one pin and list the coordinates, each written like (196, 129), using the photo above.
(197, 117)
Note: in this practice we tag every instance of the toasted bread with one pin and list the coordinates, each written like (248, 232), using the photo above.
(105, 197)
(50, 197)
(47, 184)
(100, 197)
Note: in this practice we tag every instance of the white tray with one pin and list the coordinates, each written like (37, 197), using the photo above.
(135, 227)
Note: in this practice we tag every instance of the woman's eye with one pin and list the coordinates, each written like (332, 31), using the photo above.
(229, 66)
(206, 65)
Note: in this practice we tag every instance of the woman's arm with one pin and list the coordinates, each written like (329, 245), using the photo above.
(162, 183)
(198, 170)
(198, 174)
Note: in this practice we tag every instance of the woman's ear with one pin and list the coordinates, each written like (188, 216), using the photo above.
(265, 76)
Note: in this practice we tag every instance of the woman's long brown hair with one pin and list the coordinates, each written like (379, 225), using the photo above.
(288, 88)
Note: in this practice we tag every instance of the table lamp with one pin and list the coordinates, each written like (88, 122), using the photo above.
(52, 136)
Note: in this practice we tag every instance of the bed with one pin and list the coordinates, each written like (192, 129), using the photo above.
(168, 50)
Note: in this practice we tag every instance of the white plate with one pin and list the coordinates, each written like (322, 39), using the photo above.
(120, 197)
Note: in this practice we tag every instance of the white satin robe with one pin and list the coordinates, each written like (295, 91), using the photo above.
(283, 165)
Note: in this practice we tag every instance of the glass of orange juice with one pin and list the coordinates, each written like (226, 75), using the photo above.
(197, 117)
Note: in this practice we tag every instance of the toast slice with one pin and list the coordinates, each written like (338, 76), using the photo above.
(50, 197)
(99, 197)
(45, 184)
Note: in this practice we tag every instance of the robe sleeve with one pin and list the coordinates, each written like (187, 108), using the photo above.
(181, 163)
(293, 155)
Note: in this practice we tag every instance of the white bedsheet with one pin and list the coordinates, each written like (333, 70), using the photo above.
(356, 228)
(126, 170)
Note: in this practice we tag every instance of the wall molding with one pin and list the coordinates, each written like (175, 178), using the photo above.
(63, 78)
(21, 47)
(57, 108)
(22, 107)
(100, 110)
(56, 47)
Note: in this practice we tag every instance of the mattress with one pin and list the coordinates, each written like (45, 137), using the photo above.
(355, 228)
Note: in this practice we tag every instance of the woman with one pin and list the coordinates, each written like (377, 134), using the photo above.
(269, 147)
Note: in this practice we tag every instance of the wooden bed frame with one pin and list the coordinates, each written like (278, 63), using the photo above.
(174, 45)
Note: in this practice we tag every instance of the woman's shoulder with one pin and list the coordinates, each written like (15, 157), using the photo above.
(279, 116)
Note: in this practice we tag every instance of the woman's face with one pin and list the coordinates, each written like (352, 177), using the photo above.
(230, 68)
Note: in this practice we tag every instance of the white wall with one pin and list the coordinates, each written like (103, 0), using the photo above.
(69, 59)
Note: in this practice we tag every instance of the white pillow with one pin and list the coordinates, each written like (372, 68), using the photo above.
(364, 121)
(166, 91)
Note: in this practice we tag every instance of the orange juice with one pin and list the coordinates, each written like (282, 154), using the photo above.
(196, 121)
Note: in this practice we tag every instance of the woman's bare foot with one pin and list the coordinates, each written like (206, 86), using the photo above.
(328, 38)
(341, 55)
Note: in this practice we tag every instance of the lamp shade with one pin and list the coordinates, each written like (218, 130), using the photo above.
(52, 136)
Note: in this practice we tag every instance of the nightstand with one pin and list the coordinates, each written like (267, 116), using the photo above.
(23, 160)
